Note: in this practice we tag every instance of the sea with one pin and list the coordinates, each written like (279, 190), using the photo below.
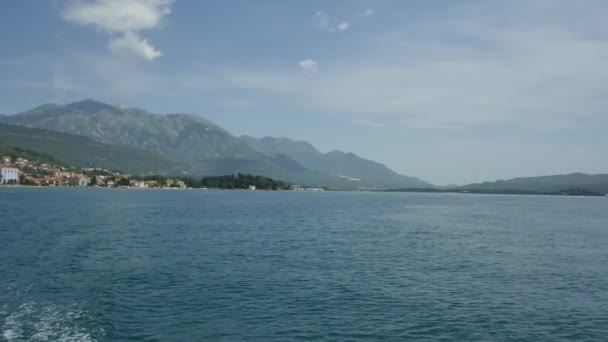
(196, 265)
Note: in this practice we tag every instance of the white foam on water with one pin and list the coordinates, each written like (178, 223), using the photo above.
(12, 329)
(52, 322)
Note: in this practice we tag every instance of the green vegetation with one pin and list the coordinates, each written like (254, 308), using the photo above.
(36, 172)
(190, 182)
(578, 192)
(564, 192)
(41, 169)
(574, 184)
(78, 151)
(243, 181)
(194, 145)
(123, 182)
(547, 184)
(16, 152)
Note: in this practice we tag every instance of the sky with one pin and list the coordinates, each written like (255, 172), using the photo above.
(451, 92)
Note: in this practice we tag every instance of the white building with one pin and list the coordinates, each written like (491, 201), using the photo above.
(9, 175)
(139, 184)
(79, 181)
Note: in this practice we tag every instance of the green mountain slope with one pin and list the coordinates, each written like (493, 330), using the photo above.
(555, 183)
(346, 167)
(201, 147)
(16, 152)
(198, 144)
(299, 150)
(191, 137)
(82, 151)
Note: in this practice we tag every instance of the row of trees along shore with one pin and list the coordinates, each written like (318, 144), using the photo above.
(238, 181)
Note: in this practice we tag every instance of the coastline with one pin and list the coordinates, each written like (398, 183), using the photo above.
(416, 191)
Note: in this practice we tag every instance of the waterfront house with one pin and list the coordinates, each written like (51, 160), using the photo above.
(32, 180)
(99, 179)
(138, 184)
(78, 181)
(66, 174)
(53, 181)
(151, 184)
(252, 187)
(9, 175)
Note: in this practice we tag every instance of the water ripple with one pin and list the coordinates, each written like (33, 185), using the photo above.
(234, 266)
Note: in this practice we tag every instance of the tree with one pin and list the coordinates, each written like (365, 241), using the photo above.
(123, 182)
(242, 181)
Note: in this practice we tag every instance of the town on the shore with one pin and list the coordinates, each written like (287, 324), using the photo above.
(21, 171)
(26, 172)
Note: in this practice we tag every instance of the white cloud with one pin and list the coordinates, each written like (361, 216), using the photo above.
(367, 12)
(324, 22)
(343, 26)
(131, 45)
(308, 65)
(82, 74)
(539, 74)
(125, 17)
(119, 15)
(517, 71)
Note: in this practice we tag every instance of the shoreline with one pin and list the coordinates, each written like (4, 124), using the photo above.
(134, 188)
(522, 193)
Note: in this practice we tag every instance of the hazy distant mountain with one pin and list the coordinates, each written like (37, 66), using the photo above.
(345, 166)
(597, 183)
(201, 147)
(81, 151)
(301, 151)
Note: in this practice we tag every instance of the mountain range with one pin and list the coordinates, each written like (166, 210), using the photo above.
(548, 184)
(93, 133)
(80, 151)
(133, 140)
(340, 165)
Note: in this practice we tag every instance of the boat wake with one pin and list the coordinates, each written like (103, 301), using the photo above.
(33, 322)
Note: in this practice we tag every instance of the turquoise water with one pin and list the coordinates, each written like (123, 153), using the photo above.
(128, 265)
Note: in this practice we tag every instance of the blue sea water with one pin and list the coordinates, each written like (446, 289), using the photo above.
(128, 265)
